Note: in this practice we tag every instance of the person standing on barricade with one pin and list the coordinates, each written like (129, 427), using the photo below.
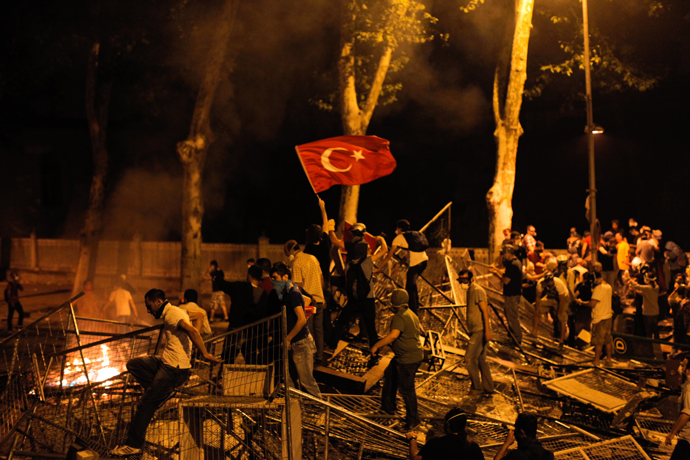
(359, 287)
(400, 373)
(159, 376)
(511, 278)
(479, 328)
(414, 244)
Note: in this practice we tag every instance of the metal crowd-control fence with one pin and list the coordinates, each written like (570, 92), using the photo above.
(65, 381)
(625, 448)
(60, 382)
(331, 432)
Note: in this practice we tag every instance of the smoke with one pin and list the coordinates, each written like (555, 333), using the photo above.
(147, 202)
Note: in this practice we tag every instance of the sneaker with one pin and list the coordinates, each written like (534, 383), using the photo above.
(125, 451)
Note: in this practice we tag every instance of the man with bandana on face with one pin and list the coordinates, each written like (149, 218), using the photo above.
(479, 328)
(159, 376)
(299, 340)
(682, 427)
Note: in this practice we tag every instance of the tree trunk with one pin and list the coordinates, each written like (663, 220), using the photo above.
(192, 151)
(509, 84)
(355, 119)
(97, 103)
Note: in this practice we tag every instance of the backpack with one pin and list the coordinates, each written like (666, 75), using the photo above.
(416, 241)
(357, 285)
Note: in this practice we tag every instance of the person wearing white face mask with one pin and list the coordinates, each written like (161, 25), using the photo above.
(479, 328)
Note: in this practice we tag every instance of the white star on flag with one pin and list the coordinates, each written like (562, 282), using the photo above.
(357, 155)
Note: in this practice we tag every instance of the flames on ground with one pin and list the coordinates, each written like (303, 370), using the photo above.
(96, 364)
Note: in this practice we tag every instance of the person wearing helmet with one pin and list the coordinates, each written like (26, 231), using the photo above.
(359, 283)
(400, 373)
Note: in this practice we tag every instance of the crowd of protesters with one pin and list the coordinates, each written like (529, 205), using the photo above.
(635, 268)
(636, 271)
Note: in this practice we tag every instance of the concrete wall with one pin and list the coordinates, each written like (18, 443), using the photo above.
(51, 261)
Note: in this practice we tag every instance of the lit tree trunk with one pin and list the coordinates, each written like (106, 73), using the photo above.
(355, 119)
(97, 102)
(192, 151)
(509, 83)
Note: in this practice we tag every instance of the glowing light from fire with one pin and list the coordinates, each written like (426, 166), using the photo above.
(99, 369)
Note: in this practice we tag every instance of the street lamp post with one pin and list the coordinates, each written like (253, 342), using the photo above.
(594, 237)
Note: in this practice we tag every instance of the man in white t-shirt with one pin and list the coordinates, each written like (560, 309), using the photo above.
(124, 309)
(197, 315)
(159, 376)
(417, 262)
(602, 318)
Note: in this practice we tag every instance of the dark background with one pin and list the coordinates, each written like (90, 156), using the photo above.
(282, 58)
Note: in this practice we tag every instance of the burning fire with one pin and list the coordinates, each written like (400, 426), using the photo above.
(98, 367)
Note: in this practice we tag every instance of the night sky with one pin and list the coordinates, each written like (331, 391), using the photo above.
(282, 58)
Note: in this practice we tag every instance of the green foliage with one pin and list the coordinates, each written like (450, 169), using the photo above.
(377, 25)
(471, 6)
(617, 56)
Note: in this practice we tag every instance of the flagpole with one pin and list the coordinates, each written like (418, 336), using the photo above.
(436, 217)
(305, 171)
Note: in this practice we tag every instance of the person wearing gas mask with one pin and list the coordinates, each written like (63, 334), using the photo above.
(682, 427)
(400, 373)
(159, 376)
(479, 328)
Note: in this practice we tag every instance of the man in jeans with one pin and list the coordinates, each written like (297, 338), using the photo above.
(511, 278)
(306, 273)
(479, 328)
(404, 339)
(299, 341)
(159, 376)
(602, 318)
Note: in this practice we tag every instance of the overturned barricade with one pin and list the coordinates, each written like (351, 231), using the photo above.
(66, 382)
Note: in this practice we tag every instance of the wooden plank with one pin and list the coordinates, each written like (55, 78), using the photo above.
(373, 375)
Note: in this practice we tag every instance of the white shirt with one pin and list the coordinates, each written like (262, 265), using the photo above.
(121, 298)
(178, 345)
(560, 287)
(416, 258)
(602, 310)
(192, 306)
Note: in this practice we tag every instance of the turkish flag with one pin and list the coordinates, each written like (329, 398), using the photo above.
(345, 160)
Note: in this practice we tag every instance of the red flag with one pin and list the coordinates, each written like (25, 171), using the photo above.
(345, 160)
